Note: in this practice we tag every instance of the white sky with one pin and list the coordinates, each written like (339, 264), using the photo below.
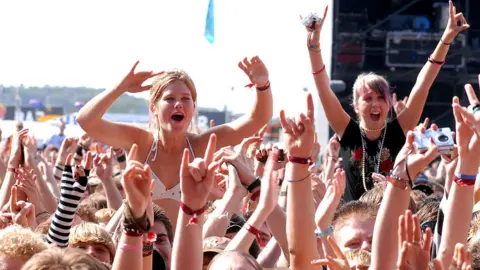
(94, 43)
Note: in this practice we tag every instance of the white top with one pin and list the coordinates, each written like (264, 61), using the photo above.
(160, 191)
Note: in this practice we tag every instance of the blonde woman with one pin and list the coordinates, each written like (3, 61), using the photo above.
(173, 104)
(370, 143)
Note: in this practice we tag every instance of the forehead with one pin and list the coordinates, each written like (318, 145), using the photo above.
(354, 228)
(159, 228)
(177, 87)
(365, 90)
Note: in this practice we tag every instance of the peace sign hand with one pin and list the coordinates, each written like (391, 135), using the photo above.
(197, 177)
(137, 182)
(134, 80)
(256, 70)
(453, 27)
(299, 133)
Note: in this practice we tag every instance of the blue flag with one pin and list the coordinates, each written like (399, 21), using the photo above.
(210, 23)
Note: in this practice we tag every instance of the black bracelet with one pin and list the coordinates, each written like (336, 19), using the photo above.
(122, 158)
(58, 167)
(256, 183)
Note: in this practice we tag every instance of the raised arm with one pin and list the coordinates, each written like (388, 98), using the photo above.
(336, 116)
(233, 133)
(115, 134)
(410, 116)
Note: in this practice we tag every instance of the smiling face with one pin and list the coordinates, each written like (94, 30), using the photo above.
(372, 100)
(172, 101)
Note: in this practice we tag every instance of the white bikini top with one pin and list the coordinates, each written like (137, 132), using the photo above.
(160, 191)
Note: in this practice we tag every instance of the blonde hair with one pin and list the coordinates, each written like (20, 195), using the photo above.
(21, 243)
(89, 232)
(104, 215)
(162, 81)
(374, 82)
(64, 259)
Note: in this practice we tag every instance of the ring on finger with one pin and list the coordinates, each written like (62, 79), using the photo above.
(476, 108)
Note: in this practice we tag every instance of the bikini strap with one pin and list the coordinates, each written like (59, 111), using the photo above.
(153, 149)
(190, 147)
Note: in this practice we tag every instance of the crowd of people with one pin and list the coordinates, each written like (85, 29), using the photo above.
(172, 197)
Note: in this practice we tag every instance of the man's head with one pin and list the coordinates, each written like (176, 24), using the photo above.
(94, 239)
(164, 231)
(17, 246)
(354, 223)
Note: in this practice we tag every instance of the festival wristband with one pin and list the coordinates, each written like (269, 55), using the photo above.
(194, 213)
(299, 160)
(256, 183)
(466, 176)
(324, 233)
(463, 182)
(256, 232)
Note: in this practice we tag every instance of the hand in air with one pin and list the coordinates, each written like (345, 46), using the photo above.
(137, 182)
(134, 81)
(256, 70)
(197, 177)
(456, 24)
(299, 133)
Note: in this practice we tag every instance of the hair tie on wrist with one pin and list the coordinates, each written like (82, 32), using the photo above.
(319, 71)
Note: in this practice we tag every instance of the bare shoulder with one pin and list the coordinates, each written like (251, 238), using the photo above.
(198, 142)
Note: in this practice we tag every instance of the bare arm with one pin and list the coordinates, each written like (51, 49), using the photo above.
(233, 133)
(410, 116)
(114, 134)
(336, 116)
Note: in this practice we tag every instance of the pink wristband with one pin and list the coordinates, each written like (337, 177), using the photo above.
(128, 247)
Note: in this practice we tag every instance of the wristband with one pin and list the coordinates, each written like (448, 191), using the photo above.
(263, 88)
(194, 213)
(255, 232)
(399, 183)
(445, 43)
(466, 176)
(147, 249)
(431, 60)
(129, 247)
(476, 108)
(319, 71)
(13, 170)
(256, 183)
(299, 160)
(463, 182)
(133, 233)
(324, 233)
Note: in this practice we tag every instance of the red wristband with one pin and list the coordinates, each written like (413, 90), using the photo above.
(319, 71)
(194, 213)
(259, 88)
(462, 182)
(13, 170)
(431, 60)
(255, 232)
(299, 160)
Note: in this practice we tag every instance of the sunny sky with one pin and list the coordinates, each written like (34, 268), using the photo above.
(94, 43)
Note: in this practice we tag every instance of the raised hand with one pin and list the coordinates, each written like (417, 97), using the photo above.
(338, 263)
(25, 182)
(256, 71)
(16, 154)
(299, 133)
(103, 166)
(29, 150)
(333, 149)
(23, 213)
(399, 105)
(133, 81)
(409, 163)
(314, 36)
(462, 258)
(137, 182)
(414, 253)
(197, 177)
(68, 146)
(456, 24)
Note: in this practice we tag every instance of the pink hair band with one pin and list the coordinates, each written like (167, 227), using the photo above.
(129, 247)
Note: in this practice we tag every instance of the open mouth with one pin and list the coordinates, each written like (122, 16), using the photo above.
(375, 116)
(178, 117)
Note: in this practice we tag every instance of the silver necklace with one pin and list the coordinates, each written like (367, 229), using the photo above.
(364, 157)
